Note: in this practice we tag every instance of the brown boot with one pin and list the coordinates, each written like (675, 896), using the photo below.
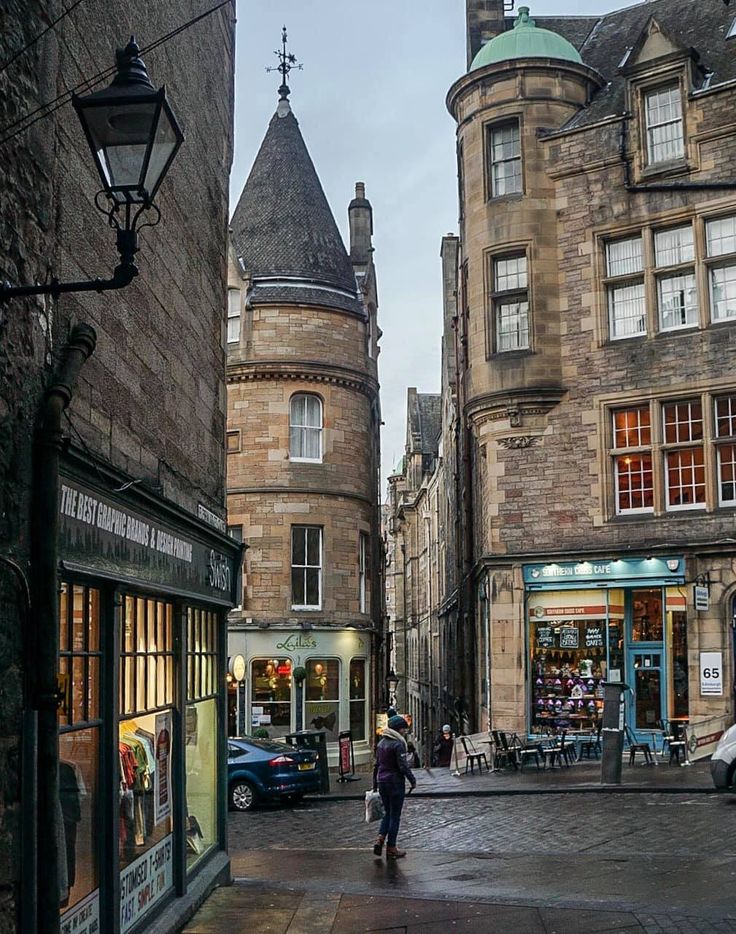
(393, 852)
(378, 845)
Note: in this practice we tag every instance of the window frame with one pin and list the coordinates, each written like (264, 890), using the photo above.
(298, 459)
(717, 262)
(307, 567)
(628, 279)
(517, 295)
(513, 123)
(362, 571)
(647, 95)
(234, 315)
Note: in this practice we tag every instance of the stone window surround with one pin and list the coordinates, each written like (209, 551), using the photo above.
(702, 265)
(233, 441)
(495, 298)
(306, 567)
(676, 71)
(233, 315)
(717, 445)
(500, 122)
(305, 428)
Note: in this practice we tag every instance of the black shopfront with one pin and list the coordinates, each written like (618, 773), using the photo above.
(144, 592)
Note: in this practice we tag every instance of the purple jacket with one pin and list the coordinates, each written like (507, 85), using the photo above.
(391, 764)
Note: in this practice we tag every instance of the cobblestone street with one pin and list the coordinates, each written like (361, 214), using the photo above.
(649, 862)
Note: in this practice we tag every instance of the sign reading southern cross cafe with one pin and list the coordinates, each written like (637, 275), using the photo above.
(101, 534)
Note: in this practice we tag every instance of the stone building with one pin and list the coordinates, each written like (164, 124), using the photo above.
(303, 450)
(596, 320)
(115, 569)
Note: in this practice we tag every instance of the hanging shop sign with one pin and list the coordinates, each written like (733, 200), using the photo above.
(711, 674)
(608, 569)
(145, 882)
(105, 534)
(236, 667)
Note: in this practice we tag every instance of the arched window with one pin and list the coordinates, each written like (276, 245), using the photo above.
(305, 428)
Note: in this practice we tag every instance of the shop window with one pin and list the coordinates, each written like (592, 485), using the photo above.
(306, 567)
(305, 428)
(201, 653)
(632, 460)
(322, 696)
(358, 696)
(504, 162)
(625, 287)
(79, 742)
(678, 668)
(201, 777)
(684, 465)
(271, 686)
(647, 620)
(664, 125)
(233, 316)
(362, 571)
(145, 753)
(510, 303)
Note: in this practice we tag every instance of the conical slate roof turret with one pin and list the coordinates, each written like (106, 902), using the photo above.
(283, 229)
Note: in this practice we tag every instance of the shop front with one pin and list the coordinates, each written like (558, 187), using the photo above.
(144, 592)
(313, 680)
(608, 620)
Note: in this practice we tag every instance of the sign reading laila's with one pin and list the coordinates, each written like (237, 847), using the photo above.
(104, 534)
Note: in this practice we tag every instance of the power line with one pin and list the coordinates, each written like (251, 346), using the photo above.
(39, 36)
(24, 122)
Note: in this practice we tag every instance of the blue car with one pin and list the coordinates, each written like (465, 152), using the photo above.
(261, 770)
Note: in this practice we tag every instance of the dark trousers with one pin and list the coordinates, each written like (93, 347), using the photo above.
(392, 795)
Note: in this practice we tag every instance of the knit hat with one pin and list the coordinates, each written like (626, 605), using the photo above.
(446, 728)
(398, 723)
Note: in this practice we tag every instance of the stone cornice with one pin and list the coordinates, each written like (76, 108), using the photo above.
(303, 370)
(512, 405)
(275, 490)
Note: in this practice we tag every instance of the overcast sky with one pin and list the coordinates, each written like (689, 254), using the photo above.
(371, 106)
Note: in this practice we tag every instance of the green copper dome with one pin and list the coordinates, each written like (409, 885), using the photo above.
(525, 40)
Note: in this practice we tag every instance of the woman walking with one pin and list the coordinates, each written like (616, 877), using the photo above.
(391, 773)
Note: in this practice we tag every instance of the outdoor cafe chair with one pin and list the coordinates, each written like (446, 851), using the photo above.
(557, 752)
(526, 750)
(591, 745)
(673, 739)
(507, 753)
(472, 756)
(635, 746)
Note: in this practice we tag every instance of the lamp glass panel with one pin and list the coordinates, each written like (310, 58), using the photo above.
(165, 143)
(120, 136)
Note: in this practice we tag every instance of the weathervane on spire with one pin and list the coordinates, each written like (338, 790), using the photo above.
(287, 61)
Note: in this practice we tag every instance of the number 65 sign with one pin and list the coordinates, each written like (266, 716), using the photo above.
(711, 673)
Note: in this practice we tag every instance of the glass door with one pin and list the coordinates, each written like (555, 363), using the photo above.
(646, 675)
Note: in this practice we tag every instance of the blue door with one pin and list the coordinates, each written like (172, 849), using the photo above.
(645, 656)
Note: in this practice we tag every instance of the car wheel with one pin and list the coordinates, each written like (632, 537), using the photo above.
(242, 796)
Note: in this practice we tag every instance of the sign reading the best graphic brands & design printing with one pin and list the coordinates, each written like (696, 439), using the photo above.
(144, 882)
(99, 532)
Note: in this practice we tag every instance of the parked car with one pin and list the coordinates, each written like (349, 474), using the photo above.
(262, 770)
(723, 761)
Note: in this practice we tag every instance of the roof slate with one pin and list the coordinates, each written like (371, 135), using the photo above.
(283, 225)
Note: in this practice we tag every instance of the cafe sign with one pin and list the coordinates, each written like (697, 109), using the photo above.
(605, 570)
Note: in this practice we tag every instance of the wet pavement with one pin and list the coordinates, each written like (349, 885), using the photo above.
(657, 861)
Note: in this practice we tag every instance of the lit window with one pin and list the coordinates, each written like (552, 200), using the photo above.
(504, 144)
(510, 303)
(721, 242)
(664, 125)
(626, 301)
(233, 316)
(634, 480)
(305, 428)
(684, 466)
(306, 567)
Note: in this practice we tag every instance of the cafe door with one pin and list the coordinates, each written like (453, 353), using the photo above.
(646, 675)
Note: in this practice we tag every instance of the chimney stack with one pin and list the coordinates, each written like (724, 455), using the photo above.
(360, 215)
(485, 19)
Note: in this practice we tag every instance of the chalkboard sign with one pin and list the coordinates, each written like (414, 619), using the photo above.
(594, 637)
(545, 637)
(569, 637)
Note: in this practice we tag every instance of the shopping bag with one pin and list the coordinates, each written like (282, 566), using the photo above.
(373, 807)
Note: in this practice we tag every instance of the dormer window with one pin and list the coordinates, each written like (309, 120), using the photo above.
(664, 125)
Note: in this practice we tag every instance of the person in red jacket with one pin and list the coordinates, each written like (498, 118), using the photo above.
(390, 777)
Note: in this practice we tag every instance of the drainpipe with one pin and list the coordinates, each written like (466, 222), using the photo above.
(45, 591)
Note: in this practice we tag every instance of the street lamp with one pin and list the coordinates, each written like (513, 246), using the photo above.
(133, 136)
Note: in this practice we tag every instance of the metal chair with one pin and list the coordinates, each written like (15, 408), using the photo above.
(502, 754)
(473, 756)
(635, 746)
(673, 738)
(592, 744)
(556, 752)
(526, 750)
